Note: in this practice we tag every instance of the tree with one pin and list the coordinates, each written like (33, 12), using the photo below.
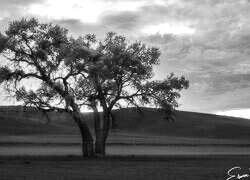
(83, 72)
(121, 75)
(38, 53)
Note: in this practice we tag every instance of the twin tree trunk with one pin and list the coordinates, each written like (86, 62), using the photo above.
(88, 147)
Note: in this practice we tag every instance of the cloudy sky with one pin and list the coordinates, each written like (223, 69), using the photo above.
(208, 41)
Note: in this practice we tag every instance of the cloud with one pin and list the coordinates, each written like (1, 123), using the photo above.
(127, 23)
(14, 9)
(126, 20)
(17, 3)
(215, 58)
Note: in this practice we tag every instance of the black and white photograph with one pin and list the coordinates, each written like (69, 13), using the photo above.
(125, 89)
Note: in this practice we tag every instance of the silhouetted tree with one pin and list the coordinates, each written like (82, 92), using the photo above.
(122, 75)
(38, 52)
(71, 73)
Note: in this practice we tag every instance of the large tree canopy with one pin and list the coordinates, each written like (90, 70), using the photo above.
(122, 75)
(37, 52)
(83, 72)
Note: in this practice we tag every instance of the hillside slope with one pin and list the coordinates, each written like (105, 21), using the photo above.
(148, 122)
(186, 124)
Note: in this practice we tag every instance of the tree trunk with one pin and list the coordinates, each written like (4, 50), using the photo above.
(102, 135)
(100, 143)
(97, 122)
(113, 120)
(87, 140)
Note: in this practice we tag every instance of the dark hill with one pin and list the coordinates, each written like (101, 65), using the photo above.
(148, 121)
(186, 124)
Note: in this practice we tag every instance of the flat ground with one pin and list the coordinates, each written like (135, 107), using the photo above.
(195, 146)
(118, 167)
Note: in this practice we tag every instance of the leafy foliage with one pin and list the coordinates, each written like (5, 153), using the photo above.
(37, 51)
(71, 73)
(123, 75)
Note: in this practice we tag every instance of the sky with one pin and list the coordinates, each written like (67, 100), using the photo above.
(207, 41)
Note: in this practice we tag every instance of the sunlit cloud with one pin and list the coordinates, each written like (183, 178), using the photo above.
(87, 11)
(167, 28)
(243, 113)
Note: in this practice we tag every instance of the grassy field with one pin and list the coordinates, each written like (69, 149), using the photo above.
(150, 122)
(170, 168)
(133, 127)
(194, 146)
